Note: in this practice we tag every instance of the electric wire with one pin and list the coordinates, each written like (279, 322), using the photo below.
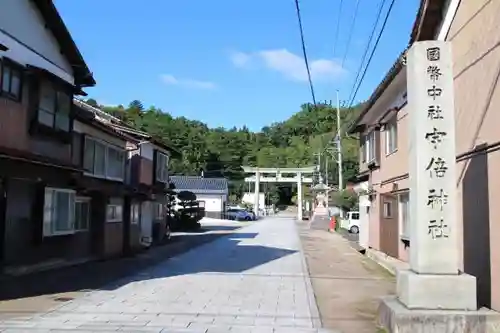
(304, 51)
(373, 51)
(372, 34)
(351, 100)
(338, 29)
(351, 30)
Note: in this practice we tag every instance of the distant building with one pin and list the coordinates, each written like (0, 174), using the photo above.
(211, 192)
(249, 198)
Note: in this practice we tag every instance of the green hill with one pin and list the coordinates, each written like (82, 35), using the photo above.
(222, 151)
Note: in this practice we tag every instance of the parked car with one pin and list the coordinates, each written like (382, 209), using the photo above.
(353, 222)
(252, 213)
(239, 214)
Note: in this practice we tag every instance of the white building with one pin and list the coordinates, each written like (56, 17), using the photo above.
(211, 192)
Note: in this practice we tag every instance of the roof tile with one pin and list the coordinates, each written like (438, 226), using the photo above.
(197, 183)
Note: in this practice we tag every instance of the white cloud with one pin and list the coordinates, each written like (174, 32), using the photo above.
(240, 59)
(188, 83)
(291, 65)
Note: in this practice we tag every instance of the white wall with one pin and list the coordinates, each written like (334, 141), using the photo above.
(364, 225)
(213, 202)
(21, 23)
(248, 198)
(94, 132)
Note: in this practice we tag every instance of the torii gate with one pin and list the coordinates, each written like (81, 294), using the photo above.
(259, 176)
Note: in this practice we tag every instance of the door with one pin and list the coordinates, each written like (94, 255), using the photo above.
(389, 225)
(3, 208)
(146, 223)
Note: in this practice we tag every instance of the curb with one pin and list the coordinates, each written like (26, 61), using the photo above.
(390, 264)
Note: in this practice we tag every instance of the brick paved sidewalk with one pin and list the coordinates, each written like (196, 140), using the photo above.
(347, 285)
(40, 291)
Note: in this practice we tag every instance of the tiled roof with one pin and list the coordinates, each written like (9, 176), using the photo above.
(200, 184)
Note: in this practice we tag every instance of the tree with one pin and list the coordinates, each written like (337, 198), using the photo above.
(220, 152)
(346, 199)
(92, 102)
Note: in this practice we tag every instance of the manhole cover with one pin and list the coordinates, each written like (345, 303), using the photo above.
(63, 299)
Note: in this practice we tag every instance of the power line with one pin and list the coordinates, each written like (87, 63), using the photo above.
(373, 52)
(351, 29)
(338, 29)
(304, 52)
(372, 34)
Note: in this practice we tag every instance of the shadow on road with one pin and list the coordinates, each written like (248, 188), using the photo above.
(225, 255)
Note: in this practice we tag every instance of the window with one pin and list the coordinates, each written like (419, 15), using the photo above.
(404, 204)
(135, 213)
(363, 149)
(391, 137)
(115, 163)
(103, 160)
(114, 213)
(11, 80)
(82, 214)
(370, 147)
(59, 212)
(54, 107)
(161, 167)
(388, 209)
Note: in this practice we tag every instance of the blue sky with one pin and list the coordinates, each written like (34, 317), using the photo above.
(229, 63)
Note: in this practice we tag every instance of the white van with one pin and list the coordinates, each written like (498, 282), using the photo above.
(353, 222)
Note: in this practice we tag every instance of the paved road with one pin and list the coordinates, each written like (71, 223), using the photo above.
(41, 291)
(254, 280)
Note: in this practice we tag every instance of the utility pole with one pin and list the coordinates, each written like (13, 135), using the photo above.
(326, 181)
(326, 170)
(320, 179)
(339, 146)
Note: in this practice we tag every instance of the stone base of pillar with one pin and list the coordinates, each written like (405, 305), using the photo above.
(394, 317)
(436, 292)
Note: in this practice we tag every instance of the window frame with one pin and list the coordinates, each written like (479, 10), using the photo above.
(87, 201)
(388, 213)
(57, 91)
(161, 169)
(370, 147)
(12, 65)
(391, 137)
(117, 219)
(71, 211)
(107, 147)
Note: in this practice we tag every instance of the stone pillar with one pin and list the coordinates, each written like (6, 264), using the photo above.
(257, 196)
(299, 196)
(433, 281)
